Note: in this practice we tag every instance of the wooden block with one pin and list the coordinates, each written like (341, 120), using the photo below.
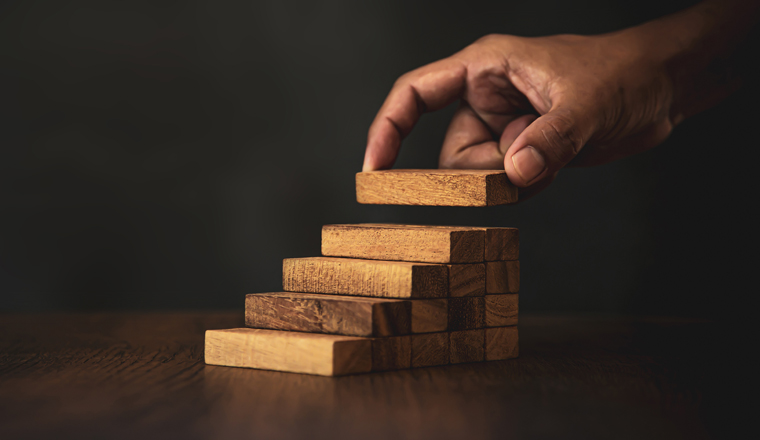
(347, 276)
(467, 346)
(435, 187)
(502, 244)
(326, 355)
(501, 310)
(501, 343)
(428, 244)
(467, 279)
(430, 349)
(429, 315)
(308, 312)
(391, 353)
(502, 277)
(466, 313)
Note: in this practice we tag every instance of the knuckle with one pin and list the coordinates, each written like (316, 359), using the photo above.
(563, 137)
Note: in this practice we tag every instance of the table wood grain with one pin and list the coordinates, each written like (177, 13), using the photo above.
(141, 375)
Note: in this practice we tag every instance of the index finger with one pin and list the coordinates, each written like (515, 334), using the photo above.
(428, 88)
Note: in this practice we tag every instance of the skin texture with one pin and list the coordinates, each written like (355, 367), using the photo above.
(536, 105)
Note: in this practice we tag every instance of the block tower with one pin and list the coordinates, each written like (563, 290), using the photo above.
(386, 296)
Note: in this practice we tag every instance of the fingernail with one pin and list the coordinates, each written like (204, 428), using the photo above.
(528, 163)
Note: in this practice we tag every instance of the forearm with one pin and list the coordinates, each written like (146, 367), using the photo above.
(702, 51)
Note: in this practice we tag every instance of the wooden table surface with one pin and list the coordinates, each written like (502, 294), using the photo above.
(141, 375)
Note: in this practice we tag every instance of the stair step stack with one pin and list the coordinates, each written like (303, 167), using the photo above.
(384, 297)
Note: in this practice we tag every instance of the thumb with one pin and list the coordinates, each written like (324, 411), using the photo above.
(546, 145)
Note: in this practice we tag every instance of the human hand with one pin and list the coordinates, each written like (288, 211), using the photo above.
(535, 105)
(532, 106)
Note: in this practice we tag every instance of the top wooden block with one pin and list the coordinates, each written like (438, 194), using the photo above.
(435, 188)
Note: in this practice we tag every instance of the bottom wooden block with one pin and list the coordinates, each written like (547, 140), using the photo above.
(430, 349)
(501, 343)
(394, 353)
(312, 353)
(467, 346)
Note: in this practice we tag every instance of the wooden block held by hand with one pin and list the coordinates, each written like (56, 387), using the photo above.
(467, 279)
(393, 353)
(430, 349)
(501, 310)
(467, 346)
(466, 313)
(308, 312)
(427, 244)
(501, 343)
(435, 187)
(347, 276)
(502, 277)
(429, 315)
(326, 355)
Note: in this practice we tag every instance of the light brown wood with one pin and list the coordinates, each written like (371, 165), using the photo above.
(467, 346)
(429, 315)
(326, 355)
(428, 244)
(502, 277)
(467, 279)
(393, 353)
(435, 187)
(501, 343)
(502, 244)
(466, 313)
(501, 310)
(348, 276)
(308, 312)
(430, 349)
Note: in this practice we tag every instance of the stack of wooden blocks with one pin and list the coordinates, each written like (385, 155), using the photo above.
(384, 297)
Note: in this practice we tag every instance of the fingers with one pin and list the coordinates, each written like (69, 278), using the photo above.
(428, 88)
(469, 141)
(547, 144)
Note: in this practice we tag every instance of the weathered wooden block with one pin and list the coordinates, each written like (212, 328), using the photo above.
(435, 187)
(502, 244)
(393, 353)
(347, 276)
(430, 349)
(502, 277)
(501, 310)
(429, 244)
(501, 343)
(466, 313)
(308, 312)
(467, 279)
(429, 315)
(326, 355)
(467, 346)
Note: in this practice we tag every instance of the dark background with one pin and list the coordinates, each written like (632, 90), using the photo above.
(170, 154)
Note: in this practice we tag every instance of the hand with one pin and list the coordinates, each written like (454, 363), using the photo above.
(535, 105)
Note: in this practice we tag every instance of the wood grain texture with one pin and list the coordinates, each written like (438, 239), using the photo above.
(325, 355)
(427, 244)
(393, 353)
(502, 277)
(429, 315)
(126, 375)
(430, 349)
(501, 343)
(308, 312)
(466, 313)
(467, 346)
(502, 244)
(467, 279)
(435, 187)
(348, 276)
(501, 310)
